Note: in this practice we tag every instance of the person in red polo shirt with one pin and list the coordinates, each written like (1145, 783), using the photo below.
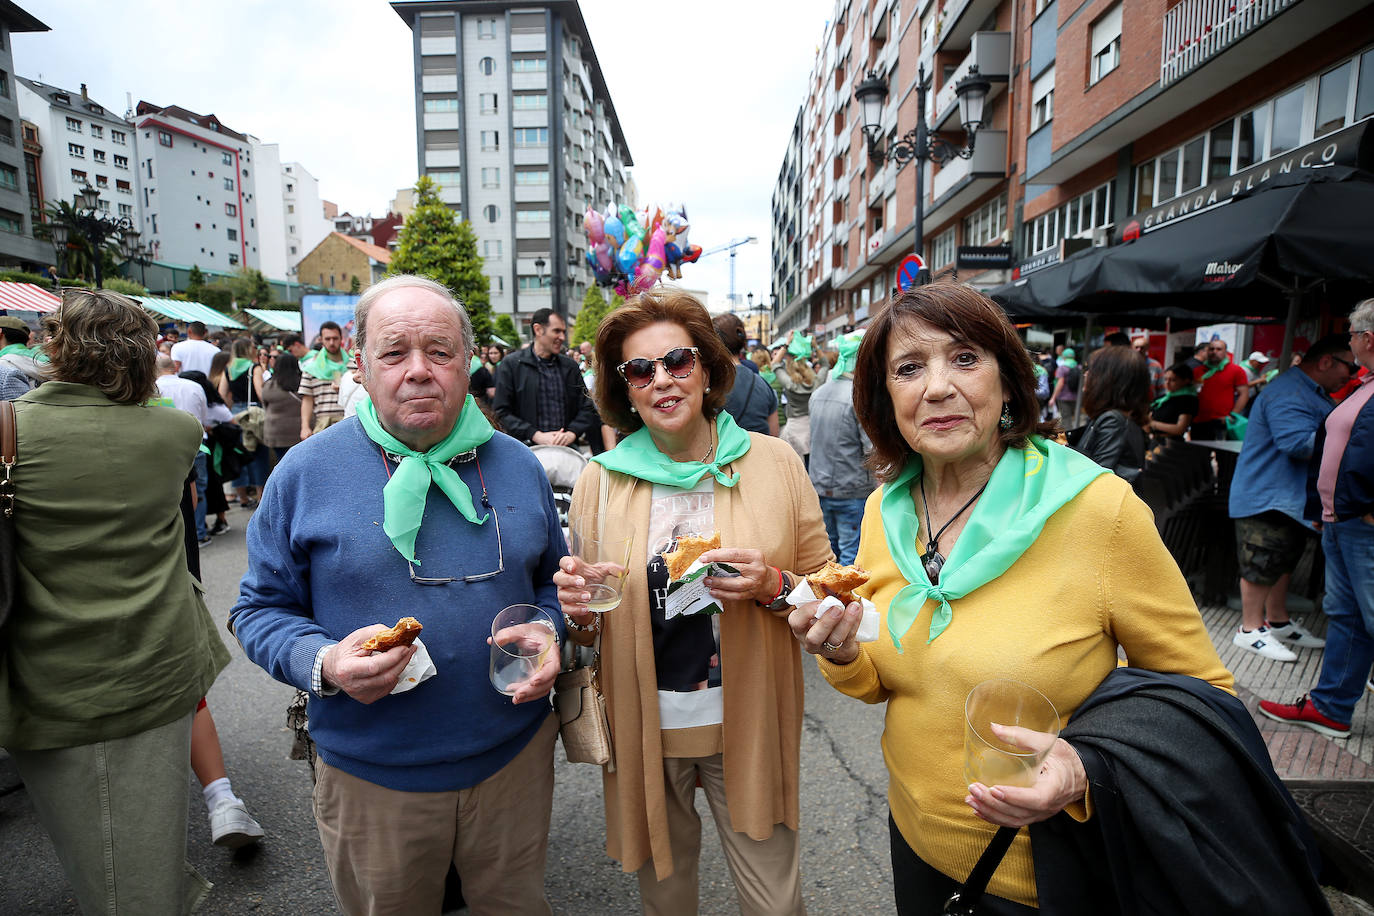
(1224, 388)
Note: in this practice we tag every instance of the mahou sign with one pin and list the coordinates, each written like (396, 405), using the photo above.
(1353, 146)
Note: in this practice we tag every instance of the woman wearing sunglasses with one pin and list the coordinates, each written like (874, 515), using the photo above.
(711, 698)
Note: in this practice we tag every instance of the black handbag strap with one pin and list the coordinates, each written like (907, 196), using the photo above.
(964, 901)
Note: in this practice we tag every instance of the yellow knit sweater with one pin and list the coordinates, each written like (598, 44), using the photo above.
(1098, 577)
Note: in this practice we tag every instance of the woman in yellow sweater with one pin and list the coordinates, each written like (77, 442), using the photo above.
(993, 552)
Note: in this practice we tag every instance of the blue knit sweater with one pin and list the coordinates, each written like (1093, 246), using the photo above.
(320, 567)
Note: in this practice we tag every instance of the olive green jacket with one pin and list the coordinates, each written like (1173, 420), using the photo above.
(110, 635)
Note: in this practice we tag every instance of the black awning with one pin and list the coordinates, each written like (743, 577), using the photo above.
(1240, 258)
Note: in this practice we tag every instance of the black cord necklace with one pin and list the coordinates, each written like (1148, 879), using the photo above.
(932, 559)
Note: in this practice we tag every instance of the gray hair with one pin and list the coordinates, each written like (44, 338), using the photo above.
(165, 364)
(1362, 319)
(405, 281)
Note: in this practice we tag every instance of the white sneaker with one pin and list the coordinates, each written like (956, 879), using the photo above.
(231, 825)
(1295, 634)
(1262, 642)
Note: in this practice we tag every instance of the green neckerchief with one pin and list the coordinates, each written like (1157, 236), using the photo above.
(403, 497)
(849, 350)
(1213, 371)
(769, 375)
(17, 348)
(638, 456)
(1159, 401)
(1039, 370)
(238, 367)
(320, 366)
(1026, 488)
(800, 347)
(473, 365)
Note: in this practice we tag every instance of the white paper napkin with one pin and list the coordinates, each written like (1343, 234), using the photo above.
(868, 623)
(420, 669)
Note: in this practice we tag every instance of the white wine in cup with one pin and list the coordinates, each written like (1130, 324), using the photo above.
(606, 561)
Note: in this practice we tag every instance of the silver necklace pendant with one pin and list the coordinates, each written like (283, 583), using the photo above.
(933, 561)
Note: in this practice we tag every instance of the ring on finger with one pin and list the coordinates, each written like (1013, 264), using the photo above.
(829, 645)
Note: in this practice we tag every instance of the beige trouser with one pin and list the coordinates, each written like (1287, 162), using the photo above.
(388, 851)
(767, 872)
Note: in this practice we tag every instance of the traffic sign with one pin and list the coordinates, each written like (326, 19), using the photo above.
(909, 270)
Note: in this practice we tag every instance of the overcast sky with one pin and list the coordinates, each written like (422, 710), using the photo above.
(706, 93)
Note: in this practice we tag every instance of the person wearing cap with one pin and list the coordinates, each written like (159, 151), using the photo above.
(17, 354)
(1255, 365)
(838, 448)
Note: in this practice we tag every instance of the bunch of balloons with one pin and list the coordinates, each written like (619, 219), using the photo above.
(630, 250)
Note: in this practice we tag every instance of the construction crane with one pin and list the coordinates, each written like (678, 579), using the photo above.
(730, 246)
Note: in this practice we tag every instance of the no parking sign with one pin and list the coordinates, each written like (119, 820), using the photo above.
(909, 270)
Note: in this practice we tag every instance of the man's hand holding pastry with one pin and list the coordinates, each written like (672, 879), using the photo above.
(360, 673)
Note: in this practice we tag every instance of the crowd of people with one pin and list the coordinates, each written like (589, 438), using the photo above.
(929, 449)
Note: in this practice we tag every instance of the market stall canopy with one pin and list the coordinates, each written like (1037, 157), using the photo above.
(177, 310)
(280, 319)
(26, 297)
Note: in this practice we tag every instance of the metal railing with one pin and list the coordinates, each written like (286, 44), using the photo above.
(1197, 30)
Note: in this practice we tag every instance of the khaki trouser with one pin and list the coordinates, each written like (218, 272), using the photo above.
(326, 421)
(767, 872)
(116, 812)
(388, 851)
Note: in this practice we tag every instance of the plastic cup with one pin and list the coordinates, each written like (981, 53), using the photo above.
(991, 760)
(521, 637)
(608, 558)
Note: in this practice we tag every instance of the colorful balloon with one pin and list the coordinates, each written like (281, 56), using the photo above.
(630, 222)
(614, 231)
(592, 225)
(630, 253)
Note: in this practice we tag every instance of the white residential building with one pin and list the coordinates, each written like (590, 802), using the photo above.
(303, 212)
(515, 124)
(291, 218)
(199, 191)
(83, 144)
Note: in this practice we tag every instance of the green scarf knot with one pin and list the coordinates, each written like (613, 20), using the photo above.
(320, 366)
(1225, 361)
(21, 349)
(1027, 487)
(800, 347)
(849, 351)
(238, 367)
(403, 497)
(1159, 401)
(638, 456)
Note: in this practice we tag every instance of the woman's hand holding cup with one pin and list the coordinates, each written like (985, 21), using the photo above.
(572, 589)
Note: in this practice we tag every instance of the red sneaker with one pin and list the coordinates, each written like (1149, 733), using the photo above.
(1303, 711)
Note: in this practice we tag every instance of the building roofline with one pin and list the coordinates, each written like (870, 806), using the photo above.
(47, 91)
(191, 117)
(19, 19)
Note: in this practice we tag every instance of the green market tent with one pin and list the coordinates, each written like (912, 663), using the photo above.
(280, 319)
(186, 311)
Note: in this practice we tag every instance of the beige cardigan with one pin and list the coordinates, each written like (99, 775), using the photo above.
(773, 508)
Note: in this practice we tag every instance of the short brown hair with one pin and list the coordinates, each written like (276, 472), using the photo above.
(967, 315)
(105, 340)
(1118, 378)
(660, 305)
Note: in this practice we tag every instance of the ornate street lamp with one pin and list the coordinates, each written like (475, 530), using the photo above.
(919, 143)
(95, 227)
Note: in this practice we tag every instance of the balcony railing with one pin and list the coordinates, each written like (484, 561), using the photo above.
(1197, 30)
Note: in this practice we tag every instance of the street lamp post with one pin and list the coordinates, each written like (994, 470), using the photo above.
(918, 143)
(96, 227)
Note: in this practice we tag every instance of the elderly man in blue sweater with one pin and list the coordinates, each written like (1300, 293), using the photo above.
(447, 521)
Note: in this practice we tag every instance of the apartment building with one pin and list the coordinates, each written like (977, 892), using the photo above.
(81, 143)
(199, 196)
(18, 247)
(1105, 118)
(291, 220)
(515, 124)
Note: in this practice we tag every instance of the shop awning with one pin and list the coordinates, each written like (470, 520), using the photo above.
(186, 311)
(280, 319)
(26, 297)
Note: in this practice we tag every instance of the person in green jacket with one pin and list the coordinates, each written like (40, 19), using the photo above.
(109, 646)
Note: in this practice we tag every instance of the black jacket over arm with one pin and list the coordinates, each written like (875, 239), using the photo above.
(1189, 816)
(517, 398)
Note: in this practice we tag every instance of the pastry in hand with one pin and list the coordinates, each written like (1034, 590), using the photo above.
(403, 634)
(686, 551)
(837, 580)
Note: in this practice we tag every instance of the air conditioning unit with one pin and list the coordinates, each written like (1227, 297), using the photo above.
(1102, 236)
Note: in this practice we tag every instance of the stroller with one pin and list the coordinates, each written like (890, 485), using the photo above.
(562, 465)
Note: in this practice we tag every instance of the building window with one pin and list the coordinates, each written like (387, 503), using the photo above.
(97, 155)
(126, 210)
(4, 84)
(233, 234)
(76, 150)
(486, 28)
(1040, 6)
(121, 162)
(290, 208)
(1106, 44)
(535, 63)
(1087, 212)
(118, 136)
(531, 136)
(231, 210)
(102, 205)
(438, 106)
(74, 125)
(487, 102)
(101, 181)
(491, 213)
(532, 283)
(497, 284)
(438, 65)
(79, 177)
(526, 101)
(11, 222)
(491, 178)
(491, 249)
(532, 176)
(532, 216)
(9, 177)
(164, 138)
(123, 186)
(1042, 233)
(985, 225)
(228, 184)
(446, 179)
(293, 249)
(1042, 100)
(487, 65)
(942, 249)
(97, 131)
(233, 260)
(491, 140)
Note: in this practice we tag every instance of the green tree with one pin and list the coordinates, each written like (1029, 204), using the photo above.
(436, 244)
(504, 328)
(594, 308)
(195, 283)
(355, 286)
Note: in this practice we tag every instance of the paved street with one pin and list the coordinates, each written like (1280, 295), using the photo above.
(844, 852)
